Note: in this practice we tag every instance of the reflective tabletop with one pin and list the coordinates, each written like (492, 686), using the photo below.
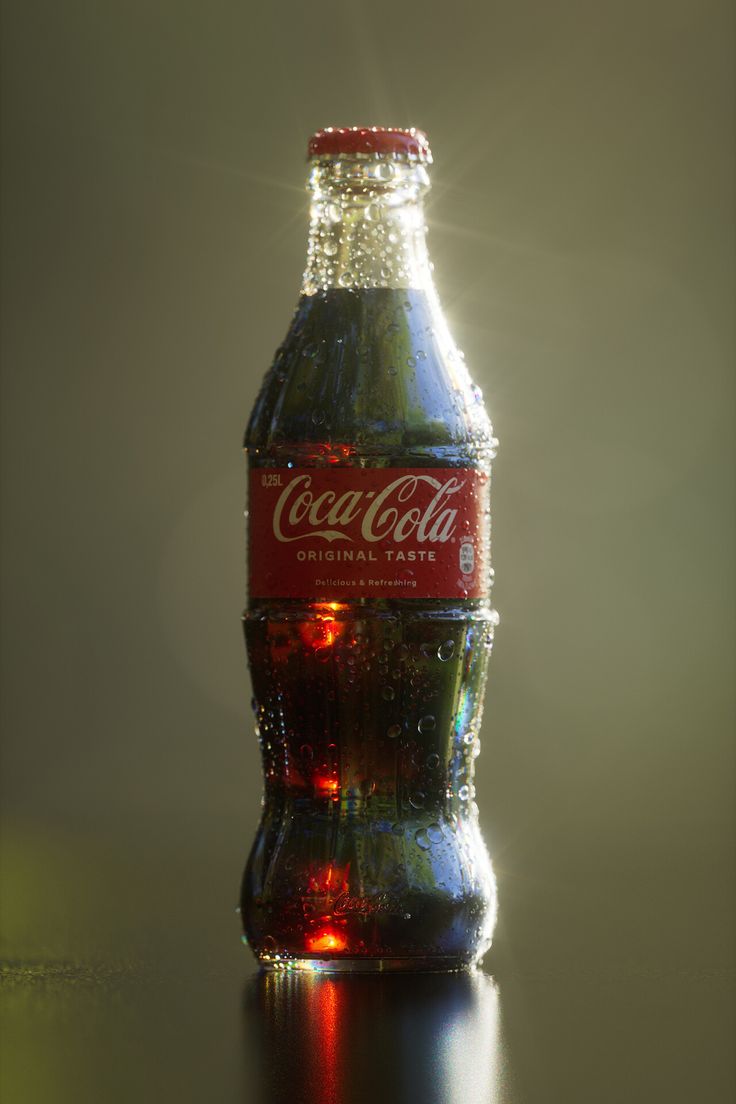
(141, 991)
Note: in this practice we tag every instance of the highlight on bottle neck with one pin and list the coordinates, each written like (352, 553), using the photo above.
(367, 225)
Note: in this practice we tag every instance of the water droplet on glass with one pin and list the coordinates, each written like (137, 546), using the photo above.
(318, 417)
(393, 731)
(330, 247)
(417, 800)
(427, 723)
(388, 693)
(446, 650)
(464, 793)
(422, 839)
(433, 761)
(435, 833)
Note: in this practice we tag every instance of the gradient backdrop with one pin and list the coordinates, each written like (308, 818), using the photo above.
(154, 227)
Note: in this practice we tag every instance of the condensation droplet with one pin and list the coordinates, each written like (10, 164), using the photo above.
(433, 761)
(464, 793)
(393, 731)
(388, 693)
(435, 833)
(417, 800)
(446, 650)
(427, 723)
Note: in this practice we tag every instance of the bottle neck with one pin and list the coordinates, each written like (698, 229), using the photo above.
(366, 226)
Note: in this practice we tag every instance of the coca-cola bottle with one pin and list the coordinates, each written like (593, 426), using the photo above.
(369, 624)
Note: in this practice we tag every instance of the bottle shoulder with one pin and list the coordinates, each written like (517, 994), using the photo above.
(375, 368)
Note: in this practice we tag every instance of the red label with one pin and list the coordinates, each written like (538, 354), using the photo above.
(339, 533)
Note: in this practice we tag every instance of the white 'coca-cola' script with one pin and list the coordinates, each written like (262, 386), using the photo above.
(385, 515)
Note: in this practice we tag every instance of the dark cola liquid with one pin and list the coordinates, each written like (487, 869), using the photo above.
(369, 850)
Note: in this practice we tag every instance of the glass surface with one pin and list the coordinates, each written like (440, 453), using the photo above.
(369, 853)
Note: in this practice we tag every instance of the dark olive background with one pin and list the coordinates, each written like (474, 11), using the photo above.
(154, 225)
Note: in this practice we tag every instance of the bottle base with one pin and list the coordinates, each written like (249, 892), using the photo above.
(316, 965)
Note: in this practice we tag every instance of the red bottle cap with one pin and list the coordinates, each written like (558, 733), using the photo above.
(333, 141)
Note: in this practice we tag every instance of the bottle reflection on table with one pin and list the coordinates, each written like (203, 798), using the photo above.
(422, 1038)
